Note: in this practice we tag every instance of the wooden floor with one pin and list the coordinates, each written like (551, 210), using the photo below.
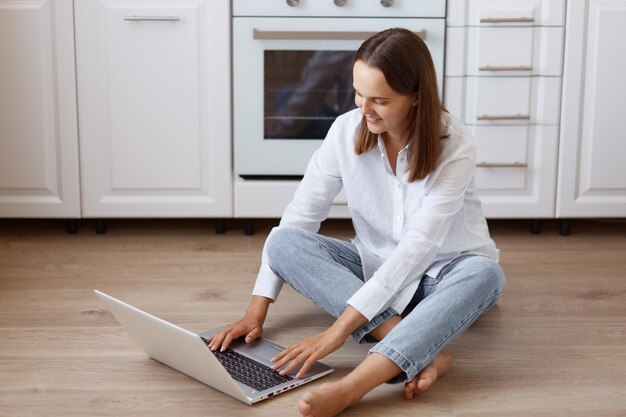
(554, 346)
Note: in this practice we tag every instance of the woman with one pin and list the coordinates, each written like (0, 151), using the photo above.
(422, 266)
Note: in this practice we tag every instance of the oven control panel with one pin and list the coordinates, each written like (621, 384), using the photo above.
(341, 8)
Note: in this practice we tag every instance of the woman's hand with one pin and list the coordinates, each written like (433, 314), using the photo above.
(250, 328)
(309, 350)
(251, 325)
(314, 348)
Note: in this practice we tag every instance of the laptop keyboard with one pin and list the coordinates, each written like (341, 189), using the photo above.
(249, 372)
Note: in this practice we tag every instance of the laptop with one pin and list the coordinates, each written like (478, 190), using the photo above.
(243, 371)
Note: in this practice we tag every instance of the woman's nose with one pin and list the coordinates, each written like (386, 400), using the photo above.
(365, 107)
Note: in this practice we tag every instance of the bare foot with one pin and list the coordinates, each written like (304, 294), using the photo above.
(438, 368)
(328, 400)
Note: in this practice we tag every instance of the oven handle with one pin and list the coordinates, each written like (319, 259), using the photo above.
(275, 35)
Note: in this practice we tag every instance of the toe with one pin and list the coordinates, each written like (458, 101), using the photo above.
(304, 407)
(408, 390)
(427, 377)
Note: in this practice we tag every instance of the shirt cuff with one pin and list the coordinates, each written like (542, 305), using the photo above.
(371, 299)
(267, 283)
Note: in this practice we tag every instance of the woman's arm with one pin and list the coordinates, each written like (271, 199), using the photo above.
(310, 205)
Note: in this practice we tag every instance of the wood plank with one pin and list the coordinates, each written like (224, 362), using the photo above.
(554, 346)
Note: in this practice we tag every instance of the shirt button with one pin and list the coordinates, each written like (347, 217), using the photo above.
(398, 217)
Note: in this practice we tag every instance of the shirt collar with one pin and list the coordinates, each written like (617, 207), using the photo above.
(383, 150)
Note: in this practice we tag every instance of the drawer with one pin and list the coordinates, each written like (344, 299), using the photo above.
(502, 51)
(497, 49)
(515, 50)
(504, 100)
(493, 179)
(506, 12)
(531, 160)
(502, 146)
(516, 191)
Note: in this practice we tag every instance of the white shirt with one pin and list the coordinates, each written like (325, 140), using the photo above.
(403, 229)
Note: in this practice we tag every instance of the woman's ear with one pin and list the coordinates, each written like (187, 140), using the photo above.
(416, 99)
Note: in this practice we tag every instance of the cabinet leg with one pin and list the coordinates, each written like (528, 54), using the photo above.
(72, 226)
(564, 226)
(248, 227)
(535, 227)
(220, 226)
(101, 226)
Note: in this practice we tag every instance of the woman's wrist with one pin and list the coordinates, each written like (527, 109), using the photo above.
(257, 309)
(349, 321)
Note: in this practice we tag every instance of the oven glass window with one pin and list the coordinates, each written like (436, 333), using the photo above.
(304, 91)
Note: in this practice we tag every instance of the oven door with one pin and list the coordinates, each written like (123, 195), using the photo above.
(292, 77)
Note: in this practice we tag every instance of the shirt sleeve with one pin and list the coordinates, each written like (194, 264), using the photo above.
(310, 206)
(423, 239)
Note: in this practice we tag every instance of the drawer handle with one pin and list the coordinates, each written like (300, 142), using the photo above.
(505, 68)
(501, 165)
(504, 117)
(277, 35)
(507, 20)
(153, 18)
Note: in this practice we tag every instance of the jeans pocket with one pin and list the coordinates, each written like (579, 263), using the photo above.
(341, 250)
(429, 285)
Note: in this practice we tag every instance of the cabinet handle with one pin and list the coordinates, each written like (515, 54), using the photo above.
(507, 20)
(501, 165)
(276, 35)
(153, 18)
(505, 68)
(504, 117)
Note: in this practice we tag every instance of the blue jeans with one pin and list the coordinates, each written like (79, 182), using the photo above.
(328, 272)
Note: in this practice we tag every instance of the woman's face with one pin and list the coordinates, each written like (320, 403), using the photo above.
(383, 108)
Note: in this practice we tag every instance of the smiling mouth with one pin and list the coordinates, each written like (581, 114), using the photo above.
(371, 120)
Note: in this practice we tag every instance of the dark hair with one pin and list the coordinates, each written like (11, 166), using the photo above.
(408, 68)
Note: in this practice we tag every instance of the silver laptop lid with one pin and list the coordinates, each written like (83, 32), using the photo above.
(186, 352)
(174, 346)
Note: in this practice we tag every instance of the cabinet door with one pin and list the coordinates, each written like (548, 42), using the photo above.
(592, 174)
(38, 133)
(154, 108)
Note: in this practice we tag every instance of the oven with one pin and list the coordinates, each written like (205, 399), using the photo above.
(292, 72)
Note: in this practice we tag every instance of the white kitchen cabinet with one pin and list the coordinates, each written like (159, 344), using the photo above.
(503, 79)
(592, 178)
(154, 108)
(38, 130)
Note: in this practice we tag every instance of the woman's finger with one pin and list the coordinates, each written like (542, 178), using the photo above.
(227, 339)
(285, 352)
(285, 357)
(253, 335)
(307, 365)
(233, 334)
(294, 363)
(216, 340)
(222, 339)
